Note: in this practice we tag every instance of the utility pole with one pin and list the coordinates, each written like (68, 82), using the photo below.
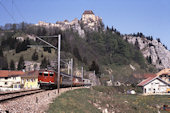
(69, 67)
(82, 73)
(59, 45)
(71, 72)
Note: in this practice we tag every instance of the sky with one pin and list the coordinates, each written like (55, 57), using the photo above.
(151, 17)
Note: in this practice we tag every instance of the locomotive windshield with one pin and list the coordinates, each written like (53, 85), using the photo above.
(45, 74)
(40, 73)
(51, 74)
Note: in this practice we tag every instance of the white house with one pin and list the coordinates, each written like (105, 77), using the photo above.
(154, 85)
(10, 79)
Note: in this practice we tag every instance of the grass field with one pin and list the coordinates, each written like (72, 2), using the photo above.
(102, 98)
(11, 55)
(76, 101)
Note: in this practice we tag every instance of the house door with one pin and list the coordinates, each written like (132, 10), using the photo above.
(144, 90)
(153, 90)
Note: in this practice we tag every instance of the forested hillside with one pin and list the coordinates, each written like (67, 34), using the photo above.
(103, 51)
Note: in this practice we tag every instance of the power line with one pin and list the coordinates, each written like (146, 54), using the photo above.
(19, 12)
(7, 11)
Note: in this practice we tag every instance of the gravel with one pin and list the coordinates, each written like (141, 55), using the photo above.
(6, 96)
(36, 103)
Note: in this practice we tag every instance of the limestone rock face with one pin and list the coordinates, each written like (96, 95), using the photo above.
(160, 56)
(74, 25)
(88, 22)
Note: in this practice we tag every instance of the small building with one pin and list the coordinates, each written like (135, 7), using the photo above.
(154, 85)
(164, 75)
(117, 83)
(10, 79)
(109, 83)
(30, 80)
(87, 82)
(89, 15)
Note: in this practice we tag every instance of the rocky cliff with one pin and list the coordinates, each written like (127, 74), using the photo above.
(86, 23)
(153, 50)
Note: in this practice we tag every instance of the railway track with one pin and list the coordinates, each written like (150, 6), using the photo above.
(13, 95)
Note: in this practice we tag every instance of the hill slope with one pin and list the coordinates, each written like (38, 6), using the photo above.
(153, 50)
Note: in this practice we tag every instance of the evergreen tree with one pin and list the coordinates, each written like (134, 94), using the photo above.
(112, 28)
(12, 65)
(23, 26)
(1, 52)
(42, 55)
(14, 27)
(94, 67)
(35, 56)
(77, 54)
(107, 28)
(137, 44)
(85, 60)
(21, 64)
(43, 31)
(39, 32)
(44, 63)
(158, 39)
(3, 63)
(149, 59)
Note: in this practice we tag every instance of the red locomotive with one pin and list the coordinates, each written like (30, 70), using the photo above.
(47, 79)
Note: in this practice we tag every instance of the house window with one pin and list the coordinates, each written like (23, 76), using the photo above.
(15, 86)
(149, 89)
(6, 78)
(14, 78)
(6, 83)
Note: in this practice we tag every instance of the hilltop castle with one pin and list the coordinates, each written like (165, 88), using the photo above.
(89, 15)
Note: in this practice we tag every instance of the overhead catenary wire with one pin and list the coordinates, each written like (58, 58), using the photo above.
(7, 11)
(17, 9)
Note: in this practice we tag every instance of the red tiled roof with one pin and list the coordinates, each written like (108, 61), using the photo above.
(88, 12)
(8, 73)
(147, 75)
(145, 81)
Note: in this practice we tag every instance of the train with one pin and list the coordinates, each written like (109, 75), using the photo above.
(47, 79)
